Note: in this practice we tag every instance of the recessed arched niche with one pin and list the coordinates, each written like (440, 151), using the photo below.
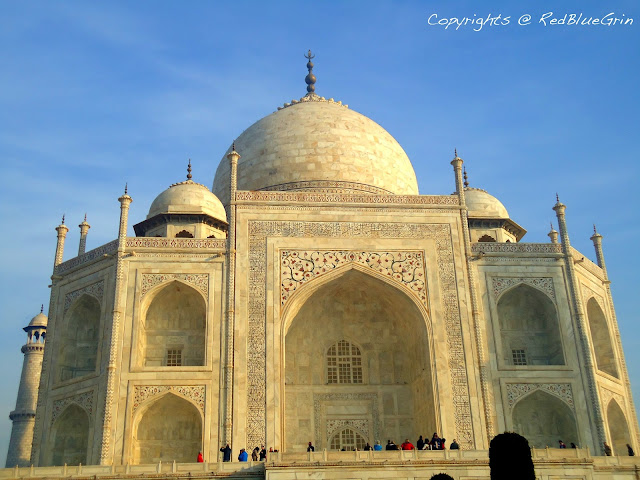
(543, 419)
(78, 340)
(601, 339)
(357, 356)
(70, 437)
(173, 332)
(168, 429)
(529, 328)
(618, 429)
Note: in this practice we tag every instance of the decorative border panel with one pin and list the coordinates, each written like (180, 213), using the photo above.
(260, 231)
(561, 390)
(587, 294)
(405, 268)
(195, 393)
(361, 426)
(605, 397)
(541, 283)
(164, 242)
(95, 290)
(100, 252)
(507, 247)
(198, 280)
(84, 400)
(317, 197)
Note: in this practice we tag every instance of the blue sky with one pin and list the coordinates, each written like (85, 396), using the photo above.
(96, 94)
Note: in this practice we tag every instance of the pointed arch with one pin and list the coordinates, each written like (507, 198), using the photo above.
(601, 339)
(173, 330)
(544, 419)
(529, 327)
(618, 428)
(167, 428)
(390, 326)
(78, 341)
(70, 437)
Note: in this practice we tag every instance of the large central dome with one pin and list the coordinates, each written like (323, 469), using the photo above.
(318, 145)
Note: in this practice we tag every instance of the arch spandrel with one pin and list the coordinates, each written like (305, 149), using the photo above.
(406, 268)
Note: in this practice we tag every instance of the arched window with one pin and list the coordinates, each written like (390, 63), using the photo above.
(184, 234)
(543, 419)
(347, 439)
(618, 428)
(170, 429)
(529, 328)
(78, 347)
(605, 359)
(174, 329)
(70, 437)
(486, 238)
(344, 363)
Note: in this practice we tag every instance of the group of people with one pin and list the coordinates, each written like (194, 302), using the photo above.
(436, 443)
(608, 452)
(258, 453)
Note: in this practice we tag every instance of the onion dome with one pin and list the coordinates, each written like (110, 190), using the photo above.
(483, 205)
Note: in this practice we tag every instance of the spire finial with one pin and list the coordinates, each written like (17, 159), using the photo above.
(189, 176)
(551, 224)
(41, 307)
(63, 219)
(310, 79)
(557, 198)
(594, 229)
(464, 170)
(455, 153)
(126, 186)
(85, 217)
(233, 146)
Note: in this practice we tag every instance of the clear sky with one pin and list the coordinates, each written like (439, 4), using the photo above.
(96, 94)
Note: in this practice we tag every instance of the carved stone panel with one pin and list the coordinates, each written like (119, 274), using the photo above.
(561, 390)
(199, 280)
(96, 290)
(405, 268)
(500, 284)
(84, 400)
(195, 393)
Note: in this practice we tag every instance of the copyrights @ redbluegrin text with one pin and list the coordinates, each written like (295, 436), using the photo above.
(547, 19)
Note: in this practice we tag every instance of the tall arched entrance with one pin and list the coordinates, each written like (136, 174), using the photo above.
(70, 437)
(357, 359)
(618, 428)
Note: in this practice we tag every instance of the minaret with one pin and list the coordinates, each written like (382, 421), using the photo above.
(553, 234)
(24, 416)
(590, 388)
(84, 229)
(62, 233)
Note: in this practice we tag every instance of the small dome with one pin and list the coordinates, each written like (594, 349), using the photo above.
(39, 320)
(318, 144)
(483, 205)
(188, 197)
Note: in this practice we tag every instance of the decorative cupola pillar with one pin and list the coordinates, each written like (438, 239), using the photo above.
(553, 234)
(596, 238)
(84, 229)
(23, 417)
(457, 171)
(125, 200)
(233, 158)
(62, 234)
(589, 382)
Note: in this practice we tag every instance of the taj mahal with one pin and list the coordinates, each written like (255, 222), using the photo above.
(313, 294)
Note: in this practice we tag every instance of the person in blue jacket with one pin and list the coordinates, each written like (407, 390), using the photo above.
(243, 455)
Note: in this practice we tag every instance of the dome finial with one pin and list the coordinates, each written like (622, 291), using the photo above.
(126, 186)
(189, 176)
(594, 229)
(41, 307)
(464, 171)
(63, 218)
(310, 79)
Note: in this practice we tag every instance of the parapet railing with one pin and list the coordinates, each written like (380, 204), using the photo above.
(318, 458)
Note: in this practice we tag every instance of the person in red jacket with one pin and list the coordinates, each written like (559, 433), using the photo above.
(407, 445)
(200, 457)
